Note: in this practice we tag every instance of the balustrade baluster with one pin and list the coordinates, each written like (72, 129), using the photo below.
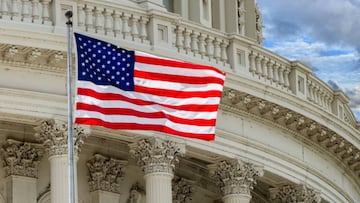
(117, 23)
(35, 12)
(258, 64)
(270, 66)
(4, 10)
(45, 12)
(202, 49)
(224, 44)
(276, 73)
(125, 25)
(108, 22)
(316, 93)
(25, 13)
(209, 47)
(179, 37)
(217, 49)
(89, 19)
(309, 86)
(187, 41)
(143, 31)
(194, 42)
(252, 67)
(134, 27)
(15, 10)
(281, 74)
(99, 22)
(286, 78)
(81, 16)
(264, 67)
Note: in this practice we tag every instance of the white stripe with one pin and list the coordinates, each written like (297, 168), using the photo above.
(148, 97)
(176, 85)
(178, 71)
(146, 108)
(133, 119)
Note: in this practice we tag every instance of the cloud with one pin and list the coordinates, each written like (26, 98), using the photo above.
(354, 95)
(334, 85)
(331, 21)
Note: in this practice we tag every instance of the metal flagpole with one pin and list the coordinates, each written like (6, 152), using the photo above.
(69, 15)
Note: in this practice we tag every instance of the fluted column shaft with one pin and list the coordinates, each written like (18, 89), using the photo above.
(236, 198)
(158, 187)
(157, 158)
(59, 172)
(53, 134)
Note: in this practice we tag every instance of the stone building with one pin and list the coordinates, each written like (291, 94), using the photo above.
(283, 135)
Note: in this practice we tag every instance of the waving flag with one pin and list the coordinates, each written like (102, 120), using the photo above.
(131, 90)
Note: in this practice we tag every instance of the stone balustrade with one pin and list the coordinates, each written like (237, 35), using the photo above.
(130, 25)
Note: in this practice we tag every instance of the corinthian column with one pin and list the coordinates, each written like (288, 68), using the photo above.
(21, 161)
(105, 177)
(157, 159)
(294, 193)
(236, 179)
(53, 134)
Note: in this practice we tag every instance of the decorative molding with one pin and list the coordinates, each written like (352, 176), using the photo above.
(135, 195)
(21, 158)
(294, 193)
(105, 173)
(235, 176)
(54, 135)
(182, 190)
(156, 155)
(235, 101)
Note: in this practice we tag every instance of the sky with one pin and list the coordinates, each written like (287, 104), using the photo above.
(323, 34)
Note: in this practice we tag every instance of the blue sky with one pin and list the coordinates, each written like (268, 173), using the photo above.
(324, 34)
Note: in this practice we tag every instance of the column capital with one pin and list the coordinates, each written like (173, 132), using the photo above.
(54, 135)
(294, 193)
(182, 190)
(21, 158)
(157, 155)
(236, 176)
(105, 173)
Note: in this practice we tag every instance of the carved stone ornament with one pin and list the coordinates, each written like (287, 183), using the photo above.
(181, 190)
(54, 135)
(294, 193)
(105, 173)
(236, 176)
(135, 195)
(156, 155)
(21, 158)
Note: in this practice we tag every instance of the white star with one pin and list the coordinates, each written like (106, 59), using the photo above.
(104, 57)
(113, 67)
(112, 77)
(123, 69)
(118, 54)
(118, 63)
(109, 52)
(108, 62)
(98, 60)
(89, 41)
(117, 73)
(99, 43)
(123, 51)
(85, 44)
(80, 39)
(117, 82)
(94, 55)
(99, 51)
(123, 59)
(127, 74)
(113, 58)
(128, 55)
(81, 47)
(127, 83)
(128, 65)
(107, 71)
(82, 55)
(83, 73)
(82, 64)
(99, 78)
(102, 66)
(122, 78)
(86, 61)
(94, 46)
(89, 50)
(91, 76)
(109, 45)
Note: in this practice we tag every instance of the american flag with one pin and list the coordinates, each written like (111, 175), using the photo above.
(131, 90)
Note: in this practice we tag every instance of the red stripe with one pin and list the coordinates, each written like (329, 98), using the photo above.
(119, 97)
(175, 64)
(177, 78)
(131, 112)
(177, 94)
(135, 126)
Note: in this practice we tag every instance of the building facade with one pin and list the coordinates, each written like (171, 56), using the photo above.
(282, 135)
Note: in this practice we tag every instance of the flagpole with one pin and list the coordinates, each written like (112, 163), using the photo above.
(69, 15)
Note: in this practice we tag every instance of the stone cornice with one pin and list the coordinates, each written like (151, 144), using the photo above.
(235, 101)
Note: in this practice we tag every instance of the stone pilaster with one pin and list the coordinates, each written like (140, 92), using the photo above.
(105, 177)
(294, 193)
(182, 190)
(157, 158)
(21, 161)
(54, 135)
(236, 179)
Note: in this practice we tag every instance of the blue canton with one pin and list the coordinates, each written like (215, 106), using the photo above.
(104, 63)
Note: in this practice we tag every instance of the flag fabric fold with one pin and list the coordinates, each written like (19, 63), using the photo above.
(131, 90)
